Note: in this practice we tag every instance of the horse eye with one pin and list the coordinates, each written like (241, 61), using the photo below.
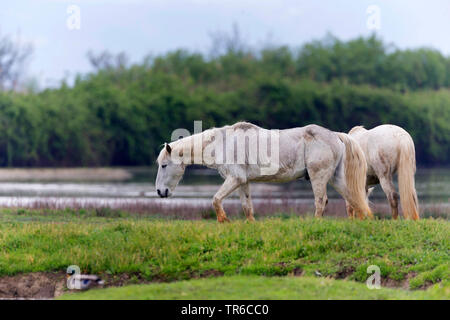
(164, 165)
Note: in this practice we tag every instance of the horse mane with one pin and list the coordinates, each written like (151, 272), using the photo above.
(243, 125)
(175, 145)
(356, 128)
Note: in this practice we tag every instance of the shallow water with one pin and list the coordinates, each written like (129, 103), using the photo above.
(136, 191)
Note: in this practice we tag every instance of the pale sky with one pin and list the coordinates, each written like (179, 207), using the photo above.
(141, 27)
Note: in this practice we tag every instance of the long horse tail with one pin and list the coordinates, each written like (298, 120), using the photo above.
(355, 171)
(406, 185)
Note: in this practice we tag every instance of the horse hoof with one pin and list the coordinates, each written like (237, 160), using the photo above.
(222, 219)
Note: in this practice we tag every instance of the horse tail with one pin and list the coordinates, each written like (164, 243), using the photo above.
(355, 171)
(406, 185)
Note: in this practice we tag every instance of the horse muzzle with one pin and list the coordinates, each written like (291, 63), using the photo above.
(163, 194)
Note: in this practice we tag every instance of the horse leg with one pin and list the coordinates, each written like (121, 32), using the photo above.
(227, 187)
(391, 194)
(246, 200)
(319, 180)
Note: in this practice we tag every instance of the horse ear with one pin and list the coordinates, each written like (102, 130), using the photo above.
(168, 148)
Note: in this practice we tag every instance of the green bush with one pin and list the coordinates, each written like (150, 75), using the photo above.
(121, 115)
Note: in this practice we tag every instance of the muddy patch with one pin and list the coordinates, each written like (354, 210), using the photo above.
(211, 273)
(404, 283)
(48, 285)
(298, 272)
(345, 273)
(38, 285)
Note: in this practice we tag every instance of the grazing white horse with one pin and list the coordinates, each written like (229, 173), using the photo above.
(312, 152)
(390, 149)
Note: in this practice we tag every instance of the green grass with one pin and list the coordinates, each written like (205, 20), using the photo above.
(176, 250)
(253, 287)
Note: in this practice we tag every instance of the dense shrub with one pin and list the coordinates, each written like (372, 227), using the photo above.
(121, 115)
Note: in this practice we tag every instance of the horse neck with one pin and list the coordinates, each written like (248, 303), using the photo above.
(191, 144)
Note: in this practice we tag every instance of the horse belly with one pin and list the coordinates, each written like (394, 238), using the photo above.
(283, 175)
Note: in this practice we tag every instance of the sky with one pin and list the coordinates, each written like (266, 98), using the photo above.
(142, 27)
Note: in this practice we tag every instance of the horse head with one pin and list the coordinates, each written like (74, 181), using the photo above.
(170, 172)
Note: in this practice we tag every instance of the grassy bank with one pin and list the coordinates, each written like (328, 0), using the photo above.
(415, 254)
(253, 287)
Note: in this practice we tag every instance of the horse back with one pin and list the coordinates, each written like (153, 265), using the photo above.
(383, 145)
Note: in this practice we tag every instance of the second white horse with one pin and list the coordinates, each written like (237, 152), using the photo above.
(389, 149)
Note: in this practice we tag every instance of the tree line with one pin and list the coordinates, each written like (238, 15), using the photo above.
(119, 114)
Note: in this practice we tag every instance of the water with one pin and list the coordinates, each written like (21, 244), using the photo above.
(133, 189)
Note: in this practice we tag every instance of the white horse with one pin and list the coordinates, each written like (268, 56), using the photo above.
(312, 152)
(390, 149)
